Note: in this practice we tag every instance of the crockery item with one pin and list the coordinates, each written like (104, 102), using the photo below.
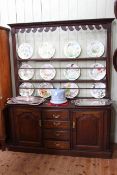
(27, 100)
(71, 90)
(26, 89)
(44, 90)
(98, 72)
(72, 49)
(91, 102)
(58, 96)
(98, 90)
(72, 72)
(25, 51)
(46, 50)
(25, 72)
(47, 72)
(95, 49)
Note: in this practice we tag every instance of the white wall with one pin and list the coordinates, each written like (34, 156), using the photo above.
(15, 11)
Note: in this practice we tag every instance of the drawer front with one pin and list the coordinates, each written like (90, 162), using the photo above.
(56, 124)
(57, 144)
(55, 114)
(55, 134)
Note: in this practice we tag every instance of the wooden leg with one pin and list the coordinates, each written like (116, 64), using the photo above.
(3, 145)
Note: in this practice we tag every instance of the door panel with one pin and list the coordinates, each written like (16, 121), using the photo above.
(27, 124)
(88, 130)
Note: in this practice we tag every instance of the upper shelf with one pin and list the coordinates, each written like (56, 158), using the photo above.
(71, 25)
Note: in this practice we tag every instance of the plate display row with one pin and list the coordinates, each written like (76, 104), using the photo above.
(71, 49)
(71, 72)
(71, 90)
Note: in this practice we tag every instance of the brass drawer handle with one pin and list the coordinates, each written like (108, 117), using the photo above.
(57, 134)
(73, 125)
(57, 144)
(55, 116)
(56, 123)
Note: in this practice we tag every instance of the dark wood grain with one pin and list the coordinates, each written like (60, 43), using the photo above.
(5, 79)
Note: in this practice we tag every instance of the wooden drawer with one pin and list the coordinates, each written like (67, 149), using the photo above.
(56, 114)
(56, 124)
(57, 144)
(55, 134)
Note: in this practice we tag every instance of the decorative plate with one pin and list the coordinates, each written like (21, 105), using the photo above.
(45, 90)
(72, 49)
(98, 90)
(26, 89)
(95, 49)
(47, 72)
(25, 51)
(26, 72)
(71, 90)
(98, 72)
(46, 50)
(72, 72)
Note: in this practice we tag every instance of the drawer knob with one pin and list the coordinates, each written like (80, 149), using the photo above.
(56, 116)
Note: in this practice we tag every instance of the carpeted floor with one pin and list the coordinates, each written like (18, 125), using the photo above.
(17, 163)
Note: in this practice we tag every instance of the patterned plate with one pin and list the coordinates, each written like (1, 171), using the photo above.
(25, 51)
(46, 50)
(72, 49)
(72, 72)
(26, 89)
(98, 72)
(95, 49)
(44, 90)
(47, 72)
(98, 90)
(71, 90)
(26, 72)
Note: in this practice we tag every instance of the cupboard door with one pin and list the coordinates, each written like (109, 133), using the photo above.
(87, 130)
(27, 126)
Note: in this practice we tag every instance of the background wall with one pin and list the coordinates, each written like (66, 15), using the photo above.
(15, 11)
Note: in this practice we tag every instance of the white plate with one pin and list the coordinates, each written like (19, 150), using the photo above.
(26, 72)
(95, 49)
(98, 72)
(98, 93)
(47, 72)
(72, 49)
(72, 72)
(44, 90)
(46, 50)
(25, 51)
(26, 89)
(71, 90)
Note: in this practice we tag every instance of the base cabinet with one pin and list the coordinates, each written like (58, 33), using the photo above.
(79, 132)
(26, 126)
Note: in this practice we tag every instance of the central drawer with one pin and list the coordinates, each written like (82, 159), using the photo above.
(57, 144)
(56, 114)
(56, 124)
(56, 134)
